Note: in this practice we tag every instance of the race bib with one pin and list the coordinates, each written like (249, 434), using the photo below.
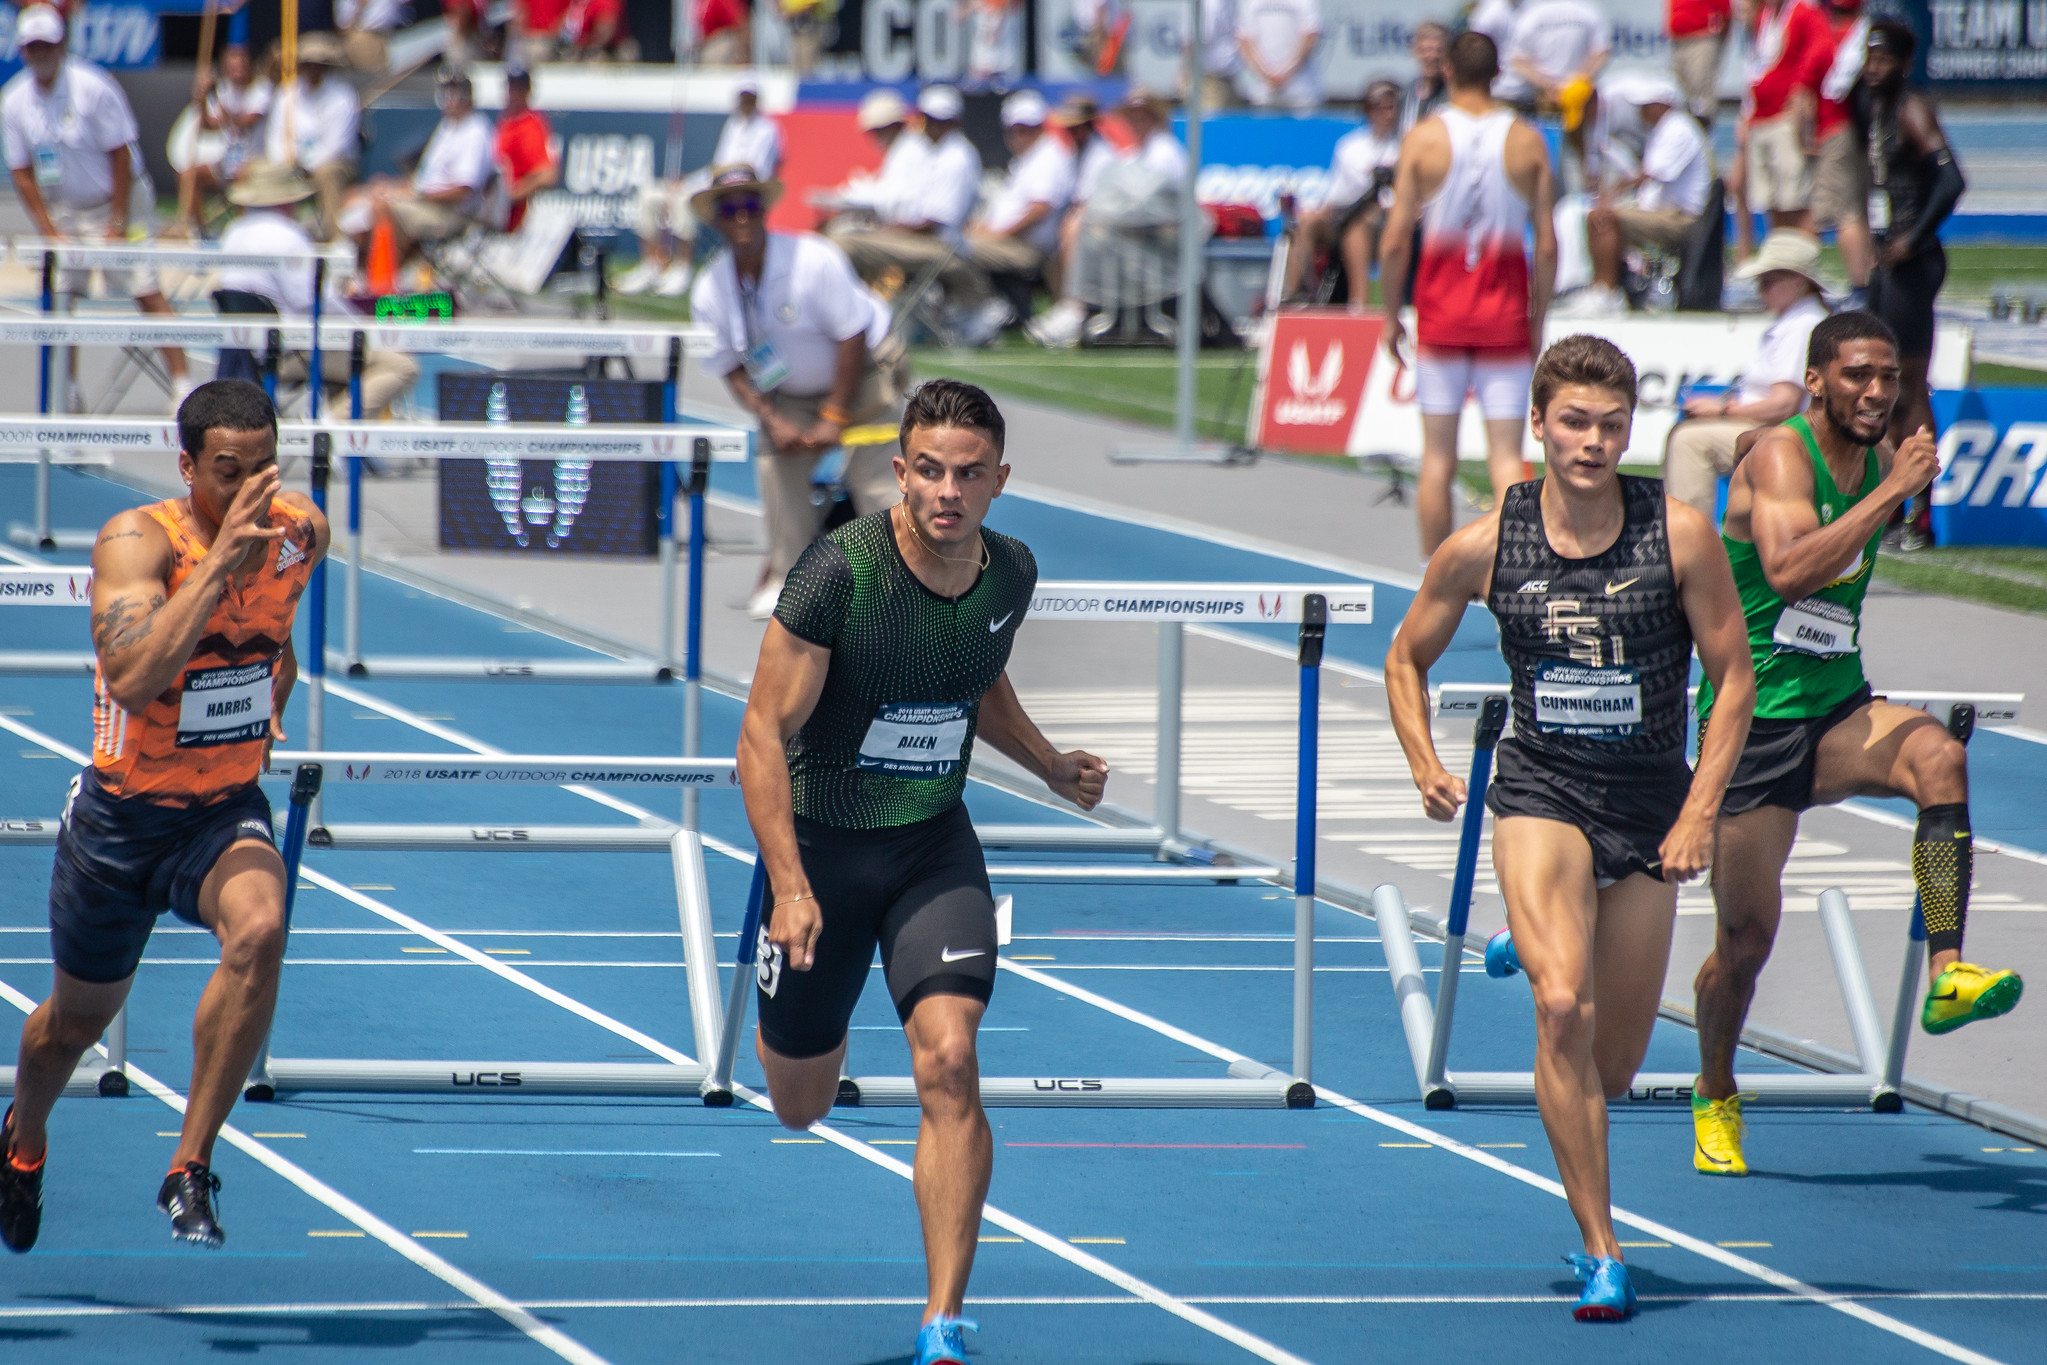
(1879, 211)
(765, 367)
(1816, 627)
(225, 705)
(915, 739)
(767, 967)
(1591, 703)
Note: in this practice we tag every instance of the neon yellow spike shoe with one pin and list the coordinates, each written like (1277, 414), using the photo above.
(1718, 1127)
(1965, 993)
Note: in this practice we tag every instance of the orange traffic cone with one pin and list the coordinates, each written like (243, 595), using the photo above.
(383, 263)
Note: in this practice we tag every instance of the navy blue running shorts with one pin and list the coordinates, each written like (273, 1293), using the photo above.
(122, 861)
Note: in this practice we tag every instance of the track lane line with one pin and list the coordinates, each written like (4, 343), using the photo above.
(480, 1294)
(1840, 1303)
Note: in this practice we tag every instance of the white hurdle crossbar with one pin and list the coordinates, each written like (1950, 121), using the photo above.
(1427, 1026)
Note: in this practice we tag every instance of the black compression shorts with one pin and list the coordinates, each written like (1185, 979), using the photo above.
(1778, 761)
(1904, 298)
(1625, 820)
(122, 861)
(920, 891)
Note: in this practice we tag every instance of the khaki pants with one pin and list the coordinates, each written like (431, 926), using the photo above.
(1840, 188)
(1699, 452)
(1695, 61)
(331, 182)
(789, 517)
(1779, 171)
(427, 220)
(1655, 227)
(966, 279)
(385, 375)
(368, 51)
(874, 250)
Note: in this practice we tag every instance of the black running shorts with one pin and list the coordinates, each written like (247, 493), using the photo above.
(1777, 763)
(1904, 298)
(1625, 820)
(122, 861)
(920, 891)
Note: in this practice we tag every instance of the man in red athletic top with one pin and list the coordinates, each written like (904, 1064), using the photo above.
(192, 605)
(1475, 178)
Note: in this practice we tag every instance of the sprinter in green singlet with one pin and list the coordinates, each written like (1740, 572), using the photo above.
(1805, 511)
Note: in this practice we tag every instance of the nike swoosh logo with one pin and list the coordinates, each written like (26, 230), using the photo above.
(1613, 587)
(1951, 995)
(948, 955)
(994, 626)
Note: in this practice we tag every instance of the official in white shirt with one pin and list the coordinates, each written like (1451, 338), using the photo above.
(366, 27)
(1277, 40)
(1220, 59)
(927, 226)
(1360, 192)
(1553, 45)
(315, 123)
(1700, 450)
(795, 337)
(661, 214)
(1150, 120)
(1669, 193)
(871, 197)
(446, 190)
(1019, 233)
(268, 196)
(231, 109)
(71, 145)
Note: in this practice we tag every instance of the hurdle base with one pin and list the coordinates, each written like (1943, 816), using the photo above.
(1088, 1092)
(59, 538)
(92, 1078)
(289, 1075)
(417, 667)
(1079, 838)
(46, 663)
(1675, 1087)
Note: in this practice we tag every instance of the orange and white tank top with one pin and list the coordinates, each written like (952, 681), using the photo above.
(202, 737)
(1471, 281)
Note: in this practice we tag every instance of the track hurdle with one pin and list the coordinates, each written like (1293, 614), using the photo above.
(1427, 1027)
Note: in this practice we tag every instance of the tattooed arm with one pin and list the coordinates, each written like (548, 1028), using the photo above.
(142, 633)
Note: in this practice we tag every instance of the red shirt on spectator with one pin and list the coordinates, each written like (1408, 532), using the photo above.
(587, 20)
(1690, 18)
(523, 147)
(1832, 114)
(1788, 36)
(540, 17)
(715, 16)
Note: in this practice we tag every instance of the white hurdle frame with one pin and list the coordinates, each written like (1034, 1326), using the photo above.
(1878, 1082)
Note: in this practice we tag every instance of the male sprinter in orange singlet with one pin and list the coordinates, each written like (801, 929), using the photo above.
(1602, 586)
(192, 605)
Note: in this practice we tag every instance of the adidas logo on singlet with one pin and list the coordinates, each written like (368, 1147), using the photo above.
(1534, 585)
(288, 554)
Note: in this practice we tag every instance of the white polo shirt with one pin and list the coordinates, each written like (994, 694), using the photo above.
(290, 287)
(1676, 163)
(948, 182)
(1042, 175)
(323, 124)
(1096, 157)
(1557, 38)
(68, 133)
(1359, 153)
(1164, 154)
(807, 302)
(754, 142)
(372, 16)
(458, 156)
(1275, 30)
(1780, 355)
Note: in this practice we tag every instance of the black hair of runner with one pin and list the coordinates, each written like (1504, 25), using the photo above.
(1837, 331)
(951, 403)
(228, 404)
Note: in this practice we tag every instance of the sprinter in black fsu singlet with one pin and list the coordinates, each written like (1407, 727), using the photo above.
(1602, 587)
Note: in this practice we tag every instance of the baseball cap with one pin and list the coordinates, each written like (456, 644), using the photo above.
(881, 108)
(39, 24)
(940, 102)
(1025, 108)
(749, 84)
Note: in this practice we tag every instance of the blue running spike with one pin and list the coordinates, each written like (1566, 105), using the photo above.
(1500, 958)
(1609, 1295)
(943, 1341)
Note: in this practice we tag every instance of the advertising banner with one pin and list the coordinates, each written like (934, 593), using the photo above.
(1989, 46)
(1312, 372)
(1993, 453)
(117, 36)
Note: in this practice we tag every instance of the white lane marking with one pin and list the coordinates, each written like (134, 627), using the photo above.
(480, 1294)
(1742, 1264)
(1094, 1265)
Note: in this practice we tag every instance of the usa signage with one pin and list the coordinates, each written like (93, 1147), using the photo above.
(1312, 374)
(1992, 488)
(1240, 603)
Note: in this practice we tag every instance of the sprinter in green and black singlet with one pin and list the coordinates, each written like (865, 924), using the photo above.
(883, 664)
(1805, 512)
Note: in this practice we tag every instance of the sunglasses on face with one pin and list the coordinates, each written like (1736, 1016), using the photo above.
(735, 205)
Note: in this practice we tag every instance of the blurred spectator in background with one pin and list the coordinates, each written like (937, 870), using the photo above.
(1019, 234)
(925, 228)
(1700, 450)
(805, 21)
(994, 35)
(1431, 85)
(1150, 120)
(1220, 60)
(1840, 178)
(1698, 39)
(466, 36)
(662, 218)
(71, 145)
(1276, 39)
(1789, 36)
(1551, 65)
(233, 105)
(1669, 193)
(1495, 19)
(535, 31)
(1092, 155)
(865, 200)
(366, 27)
(1076, 116)
(523, 149)
(595, 31)
(724, 32)
(314, 125)
(445, 192)
(1353, 211)
(266, 196)
(1096, 38)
